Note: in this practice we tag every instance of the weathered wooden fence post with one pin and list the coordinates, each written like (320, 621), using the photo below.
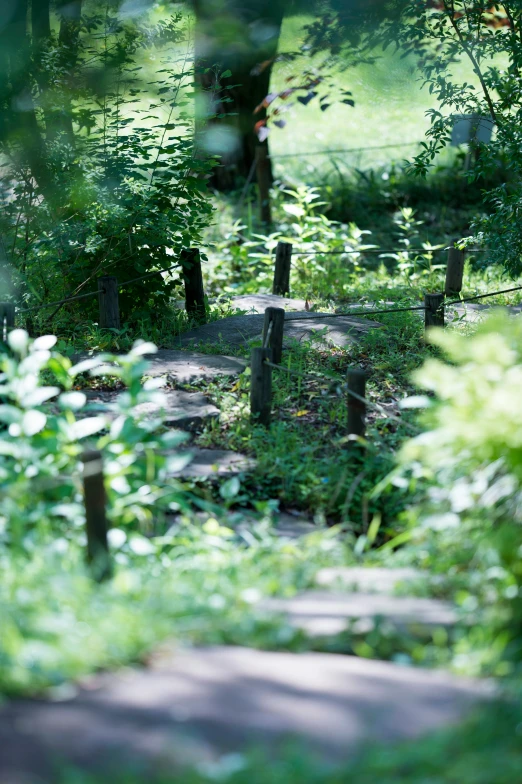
(434, 312)
(261, 385)
(108, 302)
(454, 271)
(356, 382)
(283, 262)
(193, 280)
(7, 319)
(273, 336)
(263, 183)
(98, 556)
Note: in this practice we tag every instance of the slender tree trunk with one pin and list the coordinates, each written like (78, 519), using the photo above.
(21, 124)
(240, 36)
(41, 20)
(70, 12)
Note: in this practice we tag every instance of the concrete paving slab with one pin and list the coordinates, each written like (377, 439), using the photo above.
(368, 579)
(238, 331)
(195, 705)
(184, 410)
(213, 463)
(319, 613)
(186, 366)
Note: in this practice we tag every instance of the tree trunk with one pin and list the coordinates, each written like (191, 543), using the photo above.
(41, 20)
(20, 125)
(244, 41)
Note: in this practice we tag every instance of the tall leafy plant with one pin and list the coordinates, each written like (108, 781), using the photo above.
(442, 33)
(117, 185)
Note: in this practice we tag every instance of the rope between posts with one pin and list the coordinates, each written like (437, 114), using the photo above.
(366, 312)
(59, 302)
(356, 395)
(311, 153)
(376, 250)
(480, 296)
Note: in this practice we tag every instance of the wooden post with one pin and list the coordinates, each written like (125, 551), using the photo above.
(7, 319)
(98, 556)
(261, 385)
(193, 280)
(263, 183)
(454, 271)
(434, 313)
(356, 381)
(108, 302)
(276, 316)
(283, 263)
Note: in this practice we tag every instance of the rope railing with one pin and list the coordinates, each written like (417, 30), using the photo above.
(351, 392)
(343, 150)
(346, 252)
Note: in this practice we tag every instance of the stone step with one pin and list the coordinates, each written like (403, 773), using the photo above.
(193, 706)
(214, 463)
(368, 579)
(325, 613)
(238, 331)
(184, 410)
(187, 366)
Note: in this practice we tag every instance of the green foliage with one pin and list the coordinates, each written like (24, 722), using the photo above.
(119, 187)
(471, 456)
(488, 36)
(198, 582)
(329, 257)
(41, 446)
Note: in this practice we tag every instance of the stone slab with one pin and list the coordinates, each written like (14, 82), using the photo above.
(193, 706)
(257, 303)
(368, 579)
(185, 410)
(213, 463)
(474, 312)
(238, 331)
(319, 613)
(186, 366)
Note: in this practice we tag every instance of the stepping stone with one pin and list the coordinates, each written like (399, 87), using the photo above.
(474, 312)
(367, 579)
(293, 526)
(186, 366)
(257, 303)
(320, 613)
(212, 463)
(238, 331)
(194, 706)
(185, 410)
(286, 525)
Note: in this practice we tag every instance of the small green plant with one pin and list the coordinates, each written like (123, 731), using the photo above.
(48, 425)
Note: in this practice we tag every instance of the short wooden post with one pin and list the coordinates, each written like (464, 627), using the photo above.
(261, 385)
(356, 382)
(454, 271)
(263, 183)
(283, 261)
(7, 319)
(434, 312)
(276, 317)
(98, 556)
(108, 302)
(193, 280)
